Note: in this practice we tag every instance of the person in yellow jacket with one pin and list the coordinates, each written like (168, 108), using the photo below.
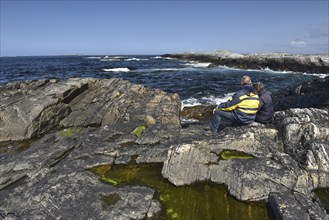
(240, 109)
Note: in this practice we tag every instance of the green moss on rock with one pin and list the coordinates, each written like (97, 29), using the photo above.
(233, 154)
(101, 170)
(9, 147)
(204, 200)
(109, 200)
(109, 180)
(323, 195)
(69, 132)
(139, 131)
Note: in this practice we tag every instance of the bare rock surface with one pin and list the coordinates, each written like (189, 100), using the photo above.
(32, 108)
(295, 206)
(314, 93)
(286, 160)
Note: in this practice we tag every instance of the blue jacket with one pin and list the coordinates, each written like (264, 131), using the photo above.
(244, 104)
(265, 112)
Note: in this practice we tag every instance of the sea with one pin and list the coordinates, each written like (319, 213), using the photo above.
(194, 82)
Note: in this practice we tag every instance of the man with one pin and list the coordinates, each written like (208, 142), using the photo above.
(265, 112)
(240, 109)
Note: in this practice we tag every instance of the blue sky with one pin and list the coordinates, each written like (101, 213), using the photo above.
(158, 27)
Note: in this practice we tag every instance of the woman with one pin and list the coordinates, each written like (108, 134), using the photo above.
(265, 111)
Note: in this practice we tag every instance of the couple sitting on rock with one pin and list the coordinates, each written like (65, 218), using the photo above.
(251, 103)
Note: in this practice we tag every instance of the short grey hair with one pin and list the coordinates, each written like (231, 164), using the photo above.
(246, 80)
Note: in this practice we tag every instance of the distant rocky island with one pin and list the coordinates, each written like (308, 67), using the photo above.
(318, 63)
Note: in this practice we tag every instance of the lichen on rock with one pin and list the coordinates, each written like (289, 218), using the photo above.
(69, 132)
(233, 154)
(139, 130)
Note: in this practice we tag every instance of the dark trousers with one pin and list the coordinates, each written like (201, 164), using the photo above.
(221, 117)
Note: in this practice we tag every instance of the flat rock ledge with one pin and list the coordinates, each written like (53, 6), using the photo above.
(82, 123)
(32, 108)
(318, 63)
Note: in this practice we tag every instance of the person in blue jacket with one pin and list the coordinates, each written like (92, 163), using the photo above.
(240, 109)
(265, 111)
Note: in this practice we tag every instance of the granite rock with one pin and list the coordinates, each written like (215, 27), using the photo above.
(30, 109)
(83, 123)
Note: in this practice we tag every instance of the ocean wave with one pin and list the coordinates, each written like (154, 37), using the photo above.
(320, 75)
(119, 58)
(117, 70)
(210, 100)
(159, 57)
(93, 57)
(230, 68)
(136, 59)
(113, 58)
(266, 70)
(198, 64)
(187, 121)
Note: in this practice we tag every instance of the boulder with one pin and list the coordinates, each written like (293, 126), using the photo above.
(292, 156)
(305, 135)
(293, 205)
(314, 93)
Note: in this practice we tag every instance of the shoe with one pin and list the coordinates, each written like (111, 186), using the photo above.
(209, 134)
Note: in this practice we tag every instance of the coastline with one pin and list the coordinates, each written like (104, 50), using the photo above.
(84, 124)
(313, 93)
(318, 64)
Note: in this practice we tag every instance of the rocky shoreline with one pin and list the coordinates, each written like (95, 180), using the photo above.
(274, 61)
(79, 124)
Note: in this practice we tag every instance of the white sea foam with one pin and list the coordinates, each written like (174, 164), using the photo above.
(197, 64)
(119, 58)
(93, 57)
(267, 70)
(135, 59)
(320, 75)
(113, 58)
(210, 100)
(231, 68)
(184, 120)
(159, 57)
(117, 70)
